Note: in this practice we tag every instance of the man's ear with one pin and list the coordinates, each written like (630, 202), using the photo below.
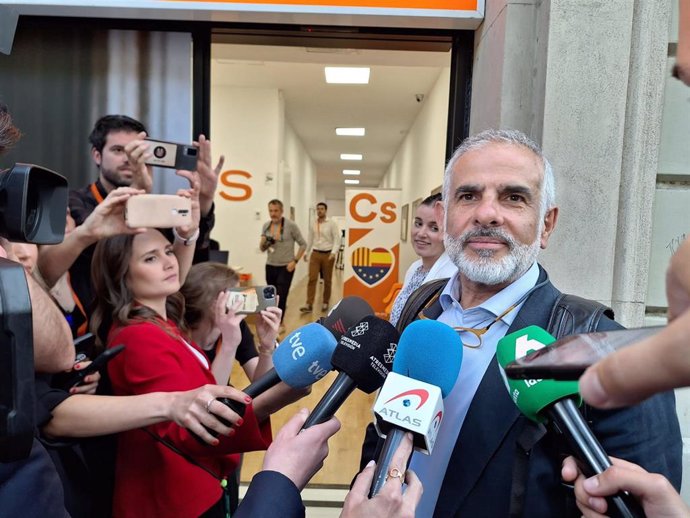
(96, 155)
(550, 219)
(440, 214)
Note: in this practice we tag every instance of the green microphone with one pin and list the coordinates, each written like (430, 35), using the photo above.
(557, 402)
(533, 397)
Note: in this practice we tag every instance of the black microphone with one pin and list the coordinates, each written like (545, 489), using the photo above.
(554, 401)
(364, 357)
(346, 313)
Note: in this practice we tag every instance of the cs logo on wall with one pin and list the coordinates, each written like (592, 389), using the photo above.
(232, 187)
(373, 244)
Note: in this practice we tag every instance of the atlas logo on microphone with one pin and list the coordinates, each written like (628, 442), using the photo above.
(422, 394)
(437, 420)
(411, 405)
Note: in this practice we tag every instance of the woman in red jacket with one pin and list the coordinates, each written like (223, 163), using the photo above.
(162, 470)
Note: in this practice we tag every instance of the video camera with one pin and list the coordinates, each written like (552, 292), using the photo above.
(33, 208)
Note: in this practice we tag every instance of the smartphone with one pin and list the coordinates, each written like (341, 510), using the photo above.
(158, 211)
(76, 378)
(172, 155)
(254, 298)
(568, 358)
(84, 346)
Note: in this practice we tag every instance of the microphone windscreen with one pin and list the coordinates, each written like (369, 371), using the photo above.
(430, 351)
(304, 356)
(532, 396)
(345, 314)
(366, 351)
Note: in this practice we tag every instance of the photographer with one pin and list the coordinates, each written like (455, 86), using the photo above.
(117, 143)
(30, 487)
(278, 238)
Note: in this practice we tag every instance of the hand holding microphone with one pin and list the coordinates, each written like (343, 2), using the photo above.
(425, 369)
(657, 495)
(391, 501)
(301, 359)
(557, 402)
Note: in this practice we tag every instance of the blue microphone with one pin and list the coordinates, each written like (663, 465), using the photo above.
(425, 369)
(302, 358)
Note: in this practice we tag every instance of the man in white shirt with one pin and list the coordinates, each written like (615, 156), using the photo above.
(324, 237)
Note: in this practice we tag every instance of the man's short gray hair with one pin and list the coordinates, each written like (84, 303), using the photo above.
(504, 136)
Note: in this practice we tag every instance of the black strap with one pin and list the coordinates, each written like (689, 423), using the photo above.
(572, 314)
(223, 481)
(418, 299)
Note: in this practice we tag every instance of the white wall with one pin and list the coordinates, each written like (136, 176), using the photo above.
(303, 186)
(245, 126)
(249, 127)
(419, 162)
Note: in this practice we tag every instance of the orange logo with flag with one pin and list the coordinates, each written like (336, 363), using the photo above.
(372, 266)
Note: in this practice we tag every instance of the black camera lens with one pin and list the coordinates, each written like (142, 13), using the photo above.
(159, 152)
(269, 292)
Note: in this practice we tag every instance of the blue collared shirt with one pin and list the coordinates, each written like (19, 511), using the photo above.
(431, 469)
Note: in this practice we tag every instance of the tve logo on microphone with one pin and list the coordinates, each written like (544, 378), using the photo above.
(410, 404)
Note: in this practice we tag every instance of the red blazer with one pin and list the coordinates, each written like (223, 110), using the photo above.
(150, 479)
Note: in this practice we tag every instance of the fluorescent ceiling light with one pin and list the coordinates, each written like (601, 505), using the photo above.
(350, 156)
(347, 75)
(350, 132)
(352, 182)
(351, 171)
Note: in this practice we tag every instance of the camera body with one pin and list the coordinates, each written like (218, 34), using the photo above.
(172, 155)
(33, 208)
(33, 205)
(270, 240)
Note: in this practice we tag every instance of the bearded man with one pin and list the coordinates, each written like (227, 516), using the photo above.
(490, 461)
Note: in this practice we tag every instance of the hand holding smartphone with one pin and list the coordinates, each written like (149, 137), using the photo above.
(76, 378)
(172, 155)
(254, 299)
(568, 358)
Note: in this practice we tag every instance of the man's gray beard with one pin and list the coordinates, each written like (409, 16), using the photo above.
(485, 269)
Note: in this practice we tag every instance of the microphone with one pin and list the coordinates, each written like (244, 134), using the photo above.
(301, 359)
(345, 314)
(425, 369)
(363, 357)
(557, 402)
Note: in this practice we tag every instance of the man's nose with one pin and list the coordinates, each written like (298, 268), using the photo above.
(488, 212)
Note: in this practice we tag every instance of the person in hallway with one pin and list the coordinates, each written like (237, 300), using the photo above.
(322, 244)
(499, 210)
(278, 238)
(433, 262)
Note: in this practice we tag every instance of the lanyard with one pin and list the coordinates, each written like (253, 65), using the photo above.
(96, 193)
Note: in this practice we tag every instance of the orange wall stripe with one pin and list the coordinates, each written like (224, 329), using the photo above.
(456, 5)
